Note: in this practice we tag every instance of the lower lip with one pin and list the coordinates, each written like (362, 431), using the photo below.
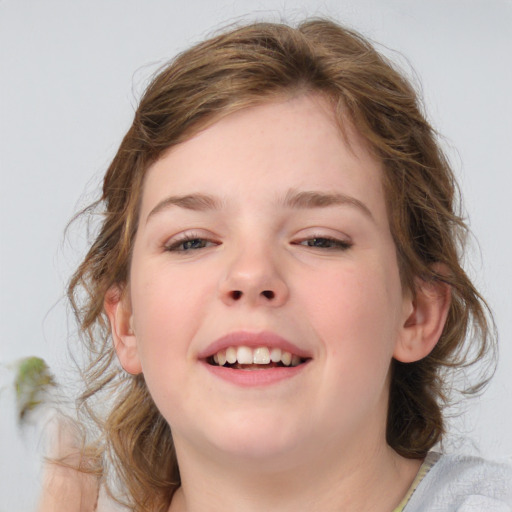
(254, 378)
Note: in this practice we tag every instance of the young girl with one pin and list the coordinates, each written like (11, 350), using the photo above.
(278, 272)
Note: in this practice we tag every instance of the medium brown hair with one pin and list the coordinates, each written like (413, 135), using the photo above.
(248, 66)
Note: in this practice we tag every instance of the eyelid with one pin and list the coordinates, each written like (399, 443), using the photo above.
(341, 242)
(336, 243)
(172, 244)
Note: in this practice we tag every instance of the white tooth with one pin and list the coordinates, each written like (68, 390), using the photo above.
(216, 358)
(261, 356)
(222, 357)
(275, 355)
(286, 358)
(244, 355)
(231, 355)
(295, 360)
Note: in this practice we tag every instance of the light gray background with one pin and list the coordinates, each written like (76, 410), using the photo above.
(70, 74)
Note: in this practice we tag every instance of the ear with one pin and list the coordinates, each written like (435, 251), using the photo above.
(118, 308)
(425, 319)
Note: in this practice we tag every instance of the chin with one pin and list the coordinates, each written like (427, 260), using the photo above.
(258, 440)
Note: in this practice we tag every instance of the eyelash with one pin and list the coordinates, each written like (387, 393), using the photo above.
(333, 243)
(174, 245)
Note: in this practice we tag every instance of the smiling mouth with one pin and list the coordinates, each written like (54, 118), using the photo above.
(260, 358)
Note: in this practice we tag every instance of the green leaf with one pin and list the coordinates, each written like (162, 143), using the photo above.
(33, 382)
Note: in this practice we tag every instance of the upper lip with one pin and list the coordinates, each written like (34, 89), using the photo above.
(252, 340)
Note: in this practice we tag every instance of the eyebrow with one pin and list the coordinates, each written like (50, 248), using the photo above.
(196, 202)
(293, 199)
(314, 199)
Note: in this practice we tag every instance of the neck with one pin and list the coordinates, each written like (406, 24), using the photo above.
(357, 479)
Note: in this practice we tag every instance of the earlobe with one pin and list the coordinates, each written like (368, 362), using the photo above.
(118, 309)
(424, 323)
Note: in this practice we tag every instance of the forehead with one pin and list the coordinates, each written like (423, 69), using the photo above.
(263, 151)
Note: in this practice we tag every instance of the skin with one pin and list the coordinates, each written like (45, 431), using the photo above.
(64, 488)
(335, 292)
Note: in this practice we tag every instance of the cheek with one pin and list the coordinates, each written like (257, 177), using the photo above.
(356, 312)
(167, 305)
(352, 312)
(167, 308)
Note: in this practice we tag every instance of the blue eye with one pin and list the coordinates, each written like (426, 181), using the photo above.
(188, 244)
(325, 243)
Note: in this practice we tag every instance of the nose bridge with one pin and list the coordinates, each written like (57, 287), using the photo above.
(253, 274)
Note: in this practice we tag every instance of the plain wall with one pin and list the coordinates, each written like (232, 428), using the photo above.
(70, 76)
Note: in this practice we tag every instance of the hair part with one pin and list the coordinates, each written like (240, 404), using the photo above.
(259, 63)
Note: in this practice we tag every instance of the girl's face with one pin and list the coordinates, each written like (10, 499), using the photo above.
(268, 230)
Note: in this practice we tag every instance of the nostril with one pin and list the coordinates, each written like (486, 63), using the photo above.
(269, 294)
(237, 294)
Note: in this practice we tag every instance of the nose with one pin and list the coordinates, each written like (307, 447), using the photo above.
(253, 278)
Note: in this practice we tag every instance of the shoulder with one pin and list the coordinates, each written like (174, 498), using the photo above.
(457, 483)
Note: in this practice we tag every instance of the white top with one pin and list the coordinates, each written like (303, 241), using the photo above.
(457, 483)
(445, 483)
